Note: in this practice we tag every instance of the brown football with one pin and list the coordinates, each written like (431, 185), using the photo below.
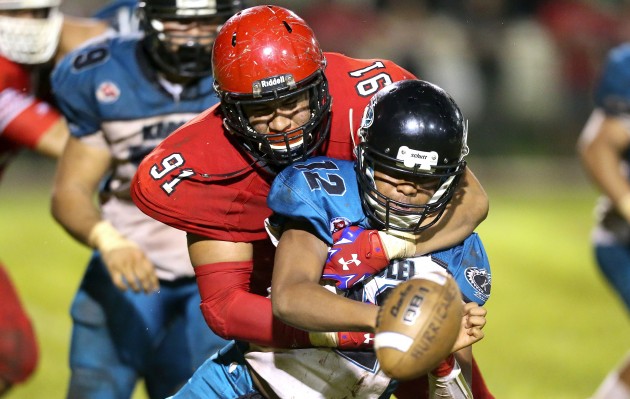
(417, 325)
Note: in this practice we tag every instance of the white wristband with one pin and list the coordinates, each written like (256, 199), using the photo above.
(105, 237)
(398, 245)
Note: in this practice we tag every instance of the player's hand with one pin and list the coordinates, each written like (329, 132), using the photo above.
(129, 267)
(473, 321)
(357, 254)
(125, 261)
(348, 340)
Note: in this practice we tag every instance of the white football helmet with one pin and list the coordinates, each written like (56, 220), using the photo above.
(28, 40)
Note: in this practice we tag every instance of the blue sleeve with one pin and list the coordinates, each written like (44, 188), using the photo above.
(74, 89)
(468, 263)
(612, 93)
(321, 191)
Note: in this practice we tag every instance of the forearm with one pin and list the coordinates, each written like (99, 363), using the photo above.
(232, 312)
(467, 209)
(603, 166)
(53, 140)
(312, 307)
(73, 208)
(297, 297)
(79, 172)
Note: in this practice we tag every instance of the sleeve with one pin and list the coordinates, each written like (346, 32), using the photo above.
(317, 191)
(74, 91)
(469, 265)
(24, 119)
(232, 312)
(612, 92)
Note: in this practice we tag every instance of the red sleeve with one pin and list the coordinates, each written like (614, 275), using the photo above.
(18, 348)
(23, 118)
(233, 312)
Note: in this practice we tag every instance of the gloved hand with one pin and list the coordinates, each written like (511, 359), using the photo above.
(357, 254)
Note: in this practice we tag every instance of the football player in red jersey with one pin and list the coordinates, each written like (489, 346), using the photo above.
(282, 100)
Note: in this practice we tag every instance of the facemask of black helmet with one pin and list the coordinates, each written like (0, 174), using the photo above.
(179, 34)
(411, 132)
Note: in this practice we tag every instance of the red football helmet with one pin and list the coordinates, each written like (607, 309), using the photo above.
(266, 53)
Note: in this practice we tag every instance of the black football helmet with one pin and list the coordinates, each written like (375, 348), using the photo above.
(411, 129)
(193, 57)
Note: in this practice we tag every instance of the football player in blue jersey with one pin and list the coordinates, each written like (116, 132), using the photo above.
(136, 314)
(603, 150)
(409, 163)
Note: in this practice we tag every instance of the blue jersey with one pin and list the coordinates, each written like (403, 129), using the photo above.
(613, 91)
(324, 192)
(113, 98)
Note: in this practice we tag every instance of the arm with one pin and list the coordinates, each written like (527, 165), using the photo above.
(601, 146)
(300, 300)
(224, 272)
(79, 171)
(53, 140)
(466, 210)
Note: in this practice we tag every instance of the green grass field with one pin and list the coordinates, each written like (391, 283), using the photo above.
(554, 328)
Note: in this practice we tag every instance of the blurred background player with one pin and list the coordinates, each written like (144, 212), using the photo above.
(34, 34)
(603, 148)
(136, 314)
(410, 158)
(212, 177)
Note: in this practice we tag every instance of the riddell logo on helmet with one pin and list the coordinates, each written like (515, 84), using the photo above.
(272, 84)
(275, 81)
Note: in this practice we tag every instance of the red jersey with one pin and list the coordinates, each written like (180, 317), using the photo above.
(198, 181)
(23, 118)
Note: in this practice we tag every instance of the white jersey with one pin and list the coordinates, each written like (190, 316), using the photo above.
(322, 373)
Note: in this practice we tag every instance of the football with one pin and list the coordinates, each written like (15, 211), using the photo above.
(418, 324)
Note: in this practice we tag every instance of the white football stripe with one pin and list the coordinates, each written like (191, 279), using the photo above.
(393, 340)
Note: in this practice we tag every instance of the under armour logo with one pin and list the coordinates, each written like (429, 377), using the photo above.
(345, 264)
(368, 338)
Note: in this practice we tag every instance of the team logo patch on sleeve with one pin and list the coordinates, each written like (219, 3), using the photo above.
(481, 281)
(107, 92)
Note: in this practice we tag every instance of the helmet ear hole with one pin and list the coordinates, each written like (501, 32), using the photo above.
(414, 130)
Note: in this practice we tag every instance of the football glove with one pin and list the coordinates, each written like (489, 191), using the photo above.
(357, 254)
